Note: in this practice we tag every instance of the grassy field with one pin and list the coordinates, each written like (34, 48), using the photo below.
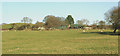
(59, 42)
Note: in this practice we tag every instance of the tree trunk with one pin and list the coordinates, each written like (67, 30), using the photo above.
(115, 30)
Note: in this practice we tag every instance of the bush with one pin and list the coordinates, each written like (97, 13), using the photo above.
(26, 26)
(21, 27)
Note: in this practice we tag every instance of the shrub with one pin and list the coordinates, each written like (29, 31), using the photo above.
(26, 26)
(21, 27)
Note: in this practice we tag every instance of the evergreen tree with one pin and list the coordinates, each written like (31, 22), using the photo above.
(70, 20)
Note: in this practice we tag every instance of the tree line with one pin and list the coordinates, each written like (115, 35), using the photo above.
(49, 22)
(52, 22)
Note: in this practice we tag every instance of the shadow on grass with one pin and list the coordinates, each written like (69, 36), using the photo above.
(106, 33)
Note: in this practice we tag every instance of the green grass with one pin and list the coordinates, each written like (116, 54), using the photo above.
(59, 42)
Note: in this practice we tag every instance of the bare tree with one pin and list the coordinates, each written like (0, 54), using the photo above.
(102, 24)
(96, 22)
(26, 20)
(83, 22)
(80, 22)
(113, 16)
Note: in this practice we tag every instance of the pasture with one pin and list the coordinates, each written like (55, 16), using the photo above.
(60, 42)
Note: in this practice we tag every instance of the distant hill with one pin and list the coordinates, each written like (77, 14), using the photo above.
(7, 26)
